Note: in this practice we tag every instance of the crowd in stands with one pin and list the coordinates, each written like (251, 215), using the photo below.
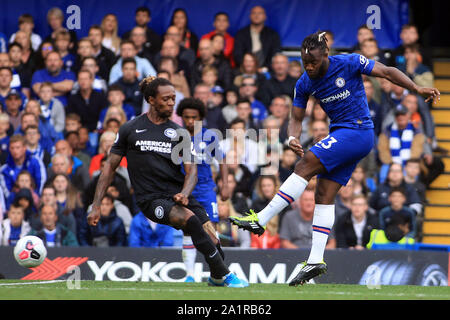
(63, 99)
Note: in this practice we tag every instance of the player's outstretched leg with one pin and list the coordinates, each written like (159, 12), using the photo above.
(289, 191)
(220, 274)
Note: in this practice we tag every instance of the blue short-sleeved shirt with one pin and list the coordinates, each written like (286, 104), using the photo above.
(44, 76)
(340, 91)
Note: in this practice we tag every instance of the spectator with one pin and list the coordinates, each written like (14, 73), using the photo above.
(296, 225)
(295, 69)
(14, 227)
(270, 239)
(72, 123)
(153, 41)
(400, 141)
(66, 217)
(149, 234)
(29, 57)
(189, 39)
(86, 102)
(249, 67)
(137, 36)
(26, 24)
(229, 110)
(24, 181)
(248, 90)
(395, 236)
(353, 228)
(207, 58)
(417, 71)
(130, 85)
(34, 145)
(244, 111)
(19, 159)
(55, 18)
(361, 182)
(209, 76)
(280, 81)
(52, 109)
(61, 80)
(73, 138)
(143, 67)
(90, 64)
(85, 50)
(257, 38)
(408, 36)
(13, 104)
(115, 113)
(121, 209)
(109, 232)
(412, 177)
(110, 29)
(172, 48)
(214, 118)
(370, 49)
(319, 130)
(54, 234)
(221, 24)
(343, 202)
(6, 78)
(105, 57)
(24, 198)
(77, 172)
(287, 163)
(397, 200)
(116, 98)
(242, 174)
(379, 198)
(330, 41)
(364, 33)
(3, 43)
(21, 75)
(170, 64)
(105, 144)
(375, 109)
(4, 137)
(280, 108)
(85, 144)
(62, 46)
(238, 200)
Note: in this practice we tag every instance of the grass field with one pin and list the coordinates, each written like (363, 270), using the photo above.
(109, 290)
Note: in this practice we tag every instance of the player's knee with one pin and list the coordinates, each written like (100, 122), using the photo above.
(179, 215)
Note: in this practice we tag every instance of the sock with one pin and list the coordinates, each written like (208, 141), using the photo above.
(204, 244)
(289, 191)
(322, 223)
(219, 247)
(189, 253)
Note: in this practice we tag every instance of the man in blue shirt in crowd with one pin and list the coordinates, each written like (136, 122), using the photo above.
(62, 80)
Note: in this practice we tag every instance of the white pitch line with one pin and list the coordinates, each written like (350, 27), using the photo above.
(26, 283)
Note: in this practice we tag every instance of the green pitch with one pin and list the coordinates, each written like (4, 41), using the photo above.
(54, 290)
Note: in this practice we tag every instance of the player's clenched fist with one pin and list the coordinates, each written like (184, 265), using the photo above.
(181, 199)
(93, 217)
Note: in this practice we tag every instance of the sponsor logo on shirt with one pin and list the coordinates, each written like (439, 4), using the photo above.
(340, 96)
(157, 146)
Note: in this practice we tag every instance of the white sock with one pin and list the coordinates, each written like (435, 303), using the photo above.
(322, 223)
(189, 253)
(289, 191)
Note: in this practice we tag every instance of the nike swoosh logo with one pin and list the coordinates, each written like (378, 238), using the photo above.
(139, 131)
(212, 256)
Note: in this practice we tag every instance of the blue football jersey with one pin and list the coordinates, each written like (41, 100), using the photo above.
(207, 150)
(340, 91)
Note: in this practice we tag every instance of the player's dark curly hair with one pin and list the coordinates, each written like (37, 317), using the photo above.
(316, 40)
(191, 103)
(149, 86)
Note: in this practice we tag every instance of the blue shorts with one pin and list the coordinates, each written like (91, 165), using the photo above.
(208, 200)
(341, 151)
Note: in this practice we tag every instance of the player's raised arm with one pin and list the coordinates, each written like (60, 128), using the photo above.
(295, 129)
(399, 78)
(105, 179)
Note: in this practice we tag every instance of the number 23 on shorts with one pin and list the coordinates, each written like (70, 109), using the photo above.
(326, 142)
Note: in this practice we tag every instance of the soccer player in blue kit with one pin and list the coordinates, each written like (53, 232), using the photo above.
(205, 143)
(336, 82)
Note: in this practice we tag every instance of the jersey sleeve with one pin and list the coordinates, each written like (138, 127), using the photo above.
(301, 94)
(361, 64)
(121, 143)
